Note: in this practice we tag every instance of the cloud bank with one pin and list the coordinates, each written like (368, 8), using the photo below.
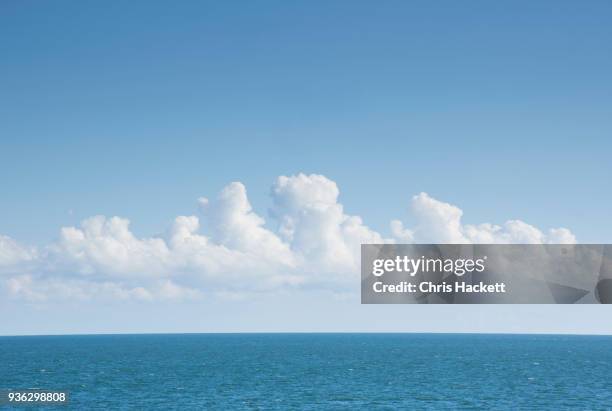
(229, 249)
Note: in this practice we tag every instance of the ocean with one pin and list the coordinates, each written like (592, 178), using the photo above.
(314, 371)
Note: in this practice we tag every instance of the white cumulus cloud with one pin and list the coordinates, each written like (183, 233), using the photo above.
(229, 249)
(440, 222)
(313, 222)
(13, 253)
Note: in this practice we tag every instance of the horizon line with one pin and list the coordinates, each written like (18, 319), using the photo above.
(308, 332)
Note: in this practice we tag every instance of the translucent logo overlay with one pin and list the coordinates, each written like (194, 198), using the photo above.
(486, 274)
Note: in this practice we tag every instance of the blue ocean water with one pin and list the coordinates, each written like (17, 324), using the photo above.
(314, 371)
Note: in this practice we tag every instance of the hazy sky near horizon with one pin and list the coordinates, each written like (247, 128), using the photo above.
(498, 111)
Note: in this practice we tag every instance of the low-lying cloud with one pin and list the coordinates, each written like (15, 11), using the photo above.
(229, 249)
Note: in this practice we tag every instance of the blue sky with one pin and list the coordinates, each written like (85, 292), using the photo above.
(136, 109)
